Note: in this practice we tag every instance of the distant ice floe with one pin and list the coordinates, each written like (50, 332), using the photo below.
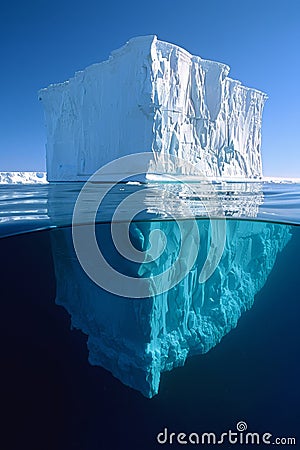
(281, 180)
(23, 178)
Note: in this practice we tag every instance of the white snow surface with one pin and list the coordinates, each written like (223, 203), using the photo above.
(23, 178)
(153, 96)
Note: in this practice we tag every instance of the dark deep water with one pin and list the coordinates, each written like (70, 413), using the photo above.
(52, 398)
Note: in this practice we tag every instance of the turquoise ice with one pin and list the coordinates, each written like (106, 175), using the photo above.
(138, 339)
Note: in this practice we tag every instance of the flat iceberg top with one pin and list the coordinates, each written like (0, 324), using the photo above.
(165, 47)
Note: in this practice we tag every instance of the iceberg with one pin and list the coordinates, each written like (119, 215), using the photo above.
(144, 271)
(153, 96)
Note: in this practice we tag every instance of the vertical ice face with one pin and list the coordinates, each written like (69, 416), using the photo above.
(137, 339)
(203, 116)
(152, 96)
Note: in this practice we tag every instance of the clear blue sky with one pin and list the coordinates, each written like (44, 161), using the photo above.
(43, 42)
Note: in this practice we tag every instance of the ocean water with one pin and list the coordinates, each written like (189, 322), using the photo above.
(54, 398)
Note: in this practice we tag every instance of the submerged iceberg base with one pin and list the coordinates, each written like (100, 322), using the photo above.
(137, 339)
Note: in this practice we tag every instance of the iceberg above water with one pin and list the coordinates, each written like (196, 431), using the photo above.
(153, 96)
(138, 339)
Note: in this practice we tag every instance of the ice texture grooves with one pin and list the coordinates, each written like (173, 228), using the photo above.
(138, 339)
(152, 96)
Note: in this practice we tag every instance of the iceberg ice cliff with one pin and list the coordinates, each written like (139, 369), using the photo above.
(152, 96)
(138, 339)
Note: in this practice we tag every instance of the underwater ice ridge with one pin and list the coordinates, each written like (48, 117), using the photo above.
(182, 313)
(139, 338)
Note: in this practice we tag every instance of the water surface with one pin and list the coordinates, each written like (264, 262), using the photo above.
(53, 398)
